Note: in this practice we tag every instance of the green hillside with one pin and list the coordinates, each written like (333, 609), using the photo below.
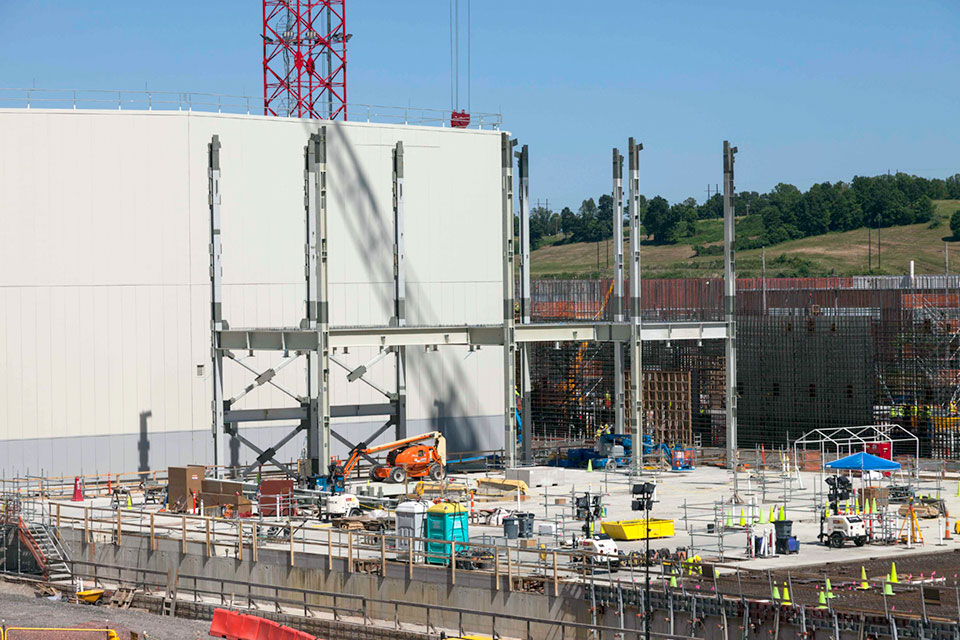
(839, 254)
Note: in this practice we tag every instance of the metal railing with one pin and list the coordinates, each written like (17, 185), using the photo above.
(34, 98)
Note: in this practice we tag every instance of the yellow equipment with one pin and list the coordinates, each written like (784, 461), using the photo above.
(637, 529)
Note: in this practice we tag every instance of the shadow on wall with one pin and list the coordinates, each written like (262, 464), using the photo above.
(143, 445)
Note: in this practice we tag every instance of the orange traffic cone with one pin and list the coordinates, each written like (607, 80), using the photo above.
(946, 527)
(77, 491)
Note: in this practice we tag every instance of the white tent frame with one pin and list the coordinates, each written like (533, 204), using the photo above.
(846, 441)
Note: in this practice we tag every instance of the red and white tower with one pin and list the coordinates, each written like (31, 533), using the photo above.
(305, 58)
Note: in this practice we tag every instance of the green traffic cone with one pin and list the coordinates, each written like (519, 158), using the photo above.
(830, 593)
(786, 594)
(673, 582)
(589, 465)
(887, 588)
(821, 600)
(776, 593)
(743, 520)
(893, 573)
(783, 513)
(874, 505)
(864, 585)
(729, 521)
(772, 516)
(763, 517)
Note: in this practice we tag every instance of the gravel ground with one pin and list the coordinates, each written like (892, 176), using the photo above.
(20, 608)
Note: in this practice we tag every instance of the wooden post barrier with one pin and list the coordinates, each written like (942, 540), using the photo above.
(329, 549)
(119, 526)
(410, 552)
(453, 564)
(349, 551)
(290, 525)
(556, 581)
(183, 534)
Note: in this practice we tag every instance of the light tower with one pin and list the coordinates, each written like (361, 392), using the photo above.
(305, 58)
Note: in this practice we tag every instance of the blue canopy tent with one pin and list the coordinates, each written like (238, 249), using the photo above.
(863, 462)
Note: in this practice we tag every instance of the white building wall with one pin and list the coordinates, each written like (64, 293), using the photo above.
(104, 281)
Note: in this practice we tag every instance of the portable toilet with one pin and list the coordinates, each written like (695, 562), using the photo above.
(411, 523)
(446, 522)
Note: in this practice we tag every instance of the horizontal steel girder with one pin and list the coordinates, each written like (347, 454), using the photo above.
(300, 413)
(293, 339)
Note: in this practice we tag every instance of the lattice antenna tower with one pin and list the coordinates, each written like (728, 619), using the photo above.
(305, 58)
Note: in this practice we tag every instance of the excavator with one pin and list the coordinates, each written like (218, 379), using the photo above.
(409, 457)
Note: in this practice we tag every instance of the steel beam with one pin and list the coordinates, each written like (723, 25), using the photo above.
(216, 302)
(316, 323)
(399, 290)
(618, 373)
(636, 329)
(729, 300)
(287, 414)
(509, 346)
(266, 339)
(523, 169)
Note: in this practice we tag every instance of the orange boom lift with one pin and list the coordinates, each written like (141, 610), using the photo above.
(410, 457)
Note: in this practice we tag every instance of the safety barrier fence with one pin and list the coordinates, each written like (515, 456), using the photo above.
(535, 568)
(365, 610)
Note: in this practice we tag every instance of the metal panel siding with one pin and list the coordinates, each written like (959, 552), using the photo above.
(104, 290)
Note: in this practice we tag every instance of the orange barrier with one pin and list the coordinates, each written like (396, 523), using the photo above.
(225, 624)
(237, 626)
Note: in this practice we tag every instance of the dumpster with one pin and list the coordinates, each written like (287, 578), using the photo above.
(636, 529)
(784, 528)
(526, 524)
(511, 527)
(446, 522)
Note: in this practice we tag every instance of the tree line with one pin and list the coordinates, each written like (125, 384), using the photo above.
(784, 213)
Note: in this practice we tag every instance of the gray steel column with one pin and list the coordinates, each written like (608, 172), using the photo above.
(509, 344)
(729, 301)
(523, 167)
(216, 302)
(618, 373)
(318, 364)
(399, 290)
(636, 362)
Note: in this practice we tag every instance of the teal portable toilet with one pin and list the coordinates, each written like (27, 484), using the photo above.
(446, 522)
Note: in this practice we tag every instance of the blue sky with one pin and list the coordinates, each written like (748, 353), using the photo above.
(809, 92)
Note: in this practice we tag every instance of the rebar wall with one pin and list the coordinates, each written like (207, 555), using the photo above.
(814, 352)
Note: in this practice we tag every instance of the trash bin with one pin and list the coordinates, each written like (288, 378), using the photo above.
(511, 528)
(526, 524)
(783, 528)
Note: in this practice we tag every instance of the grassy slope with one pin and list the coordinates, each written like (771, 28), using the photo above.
(830, 254)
